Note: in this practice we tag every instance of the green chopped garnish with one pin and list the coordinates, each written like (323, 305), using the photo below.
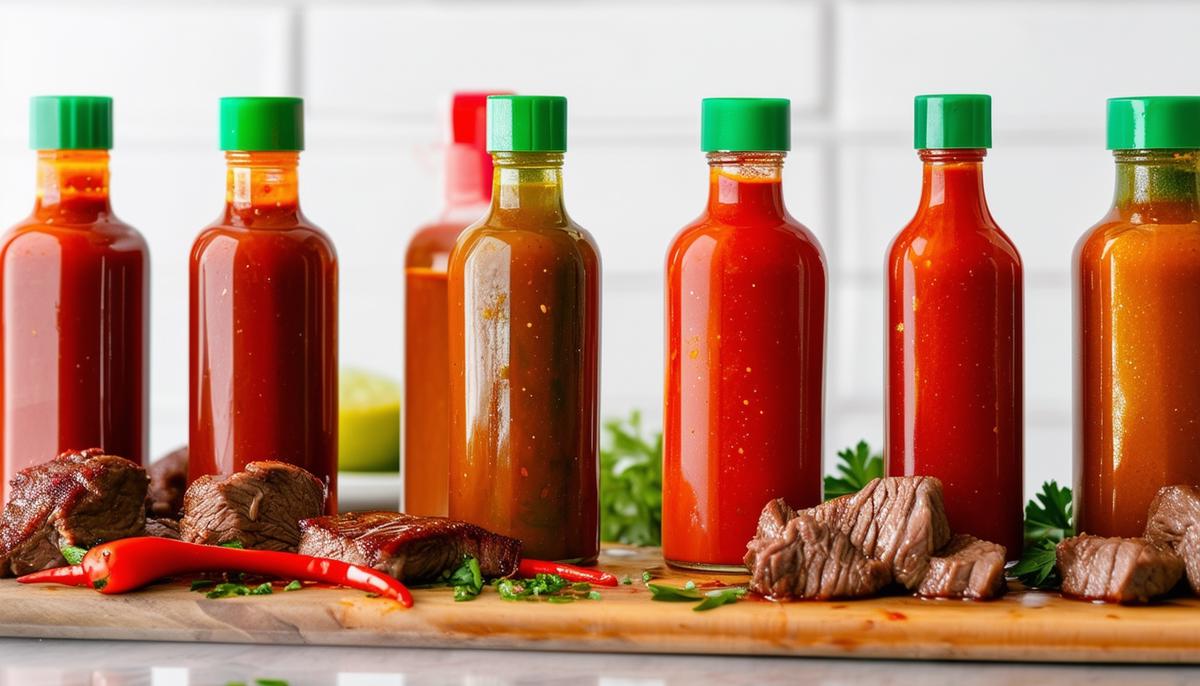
(560, 599)
(1048, 520)
(73, 554)
(198, 584)
(673, 593)
(581, 586)
(466, 580)
(690, 585)
(226, 590)
(858, 467)
(593, 595)
(646, 576)
(626, 581)
(261, 589)
(99, 584)
(719, 597)
(270, 682)
(233, 544)
(295, 585)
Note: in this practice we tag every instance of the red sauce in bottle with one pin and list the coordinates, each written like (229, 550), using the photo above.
(263, 348)
(746, 288)
(954, 352)
(74, 339)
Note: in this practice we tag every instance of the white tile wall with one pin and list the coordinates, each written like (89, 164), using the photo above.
(377, 77)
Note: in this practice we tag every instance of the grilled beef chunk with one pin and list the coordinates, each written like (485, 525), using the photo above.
(1174, 521)
(408, 547)
(162, 527)
(77, 499)
(1116, 570)
(795, 556)
(168, 481)
(965, 568)
(260, 507)
(899, 520)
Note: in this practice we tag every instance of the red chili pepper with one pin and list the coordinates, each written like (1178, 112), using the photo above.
(131, 563)
(531, 568)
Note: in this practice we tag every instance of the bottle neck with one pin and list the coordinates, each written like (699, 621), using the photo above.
(261, 188)
(1158, 186)
(72, 186)
(468, 176)
(746, 186)
(952, 181)
(528, 184)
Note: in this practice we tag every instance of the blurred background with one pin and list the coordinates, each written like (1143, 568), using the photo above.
(377, 77)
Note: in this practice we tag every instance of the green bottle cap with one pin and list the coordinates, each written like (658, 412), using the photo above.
(262, 124)
(1160, 122)
(70, 122)
(745, 124)
(526, 123)
(947, 121)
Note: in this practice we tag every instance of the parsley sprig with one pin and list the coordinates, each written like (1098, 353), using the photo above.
(631, 483)
(1048, 520)
(857, 466)
(466, 580)
(690, 593)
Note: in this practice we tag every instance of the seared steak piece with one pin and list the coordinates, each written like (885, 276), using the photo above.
(408, 547)
(899, 520)
(260, 507)
(1174, 521)
(162, 527)
(168, 481)
(1116, 570)
(965, 568)
(795, 556)
(77, 499)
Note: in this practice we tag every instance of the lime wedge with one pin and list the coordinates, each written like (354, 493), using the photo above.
(368, 422)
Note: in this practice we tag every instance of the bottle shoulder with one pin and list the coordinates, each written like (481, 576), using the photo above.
(928, 238)
(1117, 235)
(708, 233)
(106, 235)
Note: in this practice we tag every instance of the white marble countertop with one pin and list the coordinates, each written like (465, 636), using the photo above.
(27, 662)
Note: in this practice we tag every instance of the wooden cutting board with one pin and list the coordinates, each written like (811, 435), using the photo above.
(1022, 626)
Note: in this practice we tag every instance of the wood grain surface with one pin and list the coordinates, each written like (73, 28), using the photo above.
(1023, 626)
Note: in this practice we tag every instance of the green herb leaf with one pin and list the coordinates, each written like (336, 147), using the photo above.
(270, 682)
(295, 585)
(1048, 515)
(857, 467)
(719, 597)
(233, 544)
(631, 483)
(646, 576)
(262, 589)
(467, 580)
(73, 554)
(1038, 566)
(199, 584)
(561, 599)
(593, 595)
(673, 593)
(626, 581)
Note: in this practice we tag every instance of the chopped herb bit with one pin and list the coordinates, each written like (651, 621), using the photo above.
(270, 682)
(646, 576)
(262, 589)
(233, 544)
(295, 585)
(625, 580)
(226, 590)
(673, 593)
(631, 483)
(198, 584)
(73, 554)
(593, 595)
(857, 467)
(99, 584)
(690, 585)
(717, 598)
(467, 580)
(549, 587)
(581, 586)
(560, 599)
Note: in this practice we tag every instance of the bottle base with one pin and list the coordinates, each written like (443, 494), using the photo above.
(707, 567)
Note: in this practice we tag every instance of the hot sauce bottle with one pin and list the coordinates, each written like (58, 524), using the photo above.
(745, 306)
(263, 341)
(524, 294)
(1137, 320)
(954, 332)
(74, 301)
(426, 363)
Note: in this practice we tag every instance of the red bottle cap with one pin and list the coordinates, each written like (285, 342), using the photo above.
(469, 132)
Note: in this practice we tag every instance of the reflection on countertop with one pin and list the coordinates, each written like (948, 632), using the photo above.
(29, 662)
